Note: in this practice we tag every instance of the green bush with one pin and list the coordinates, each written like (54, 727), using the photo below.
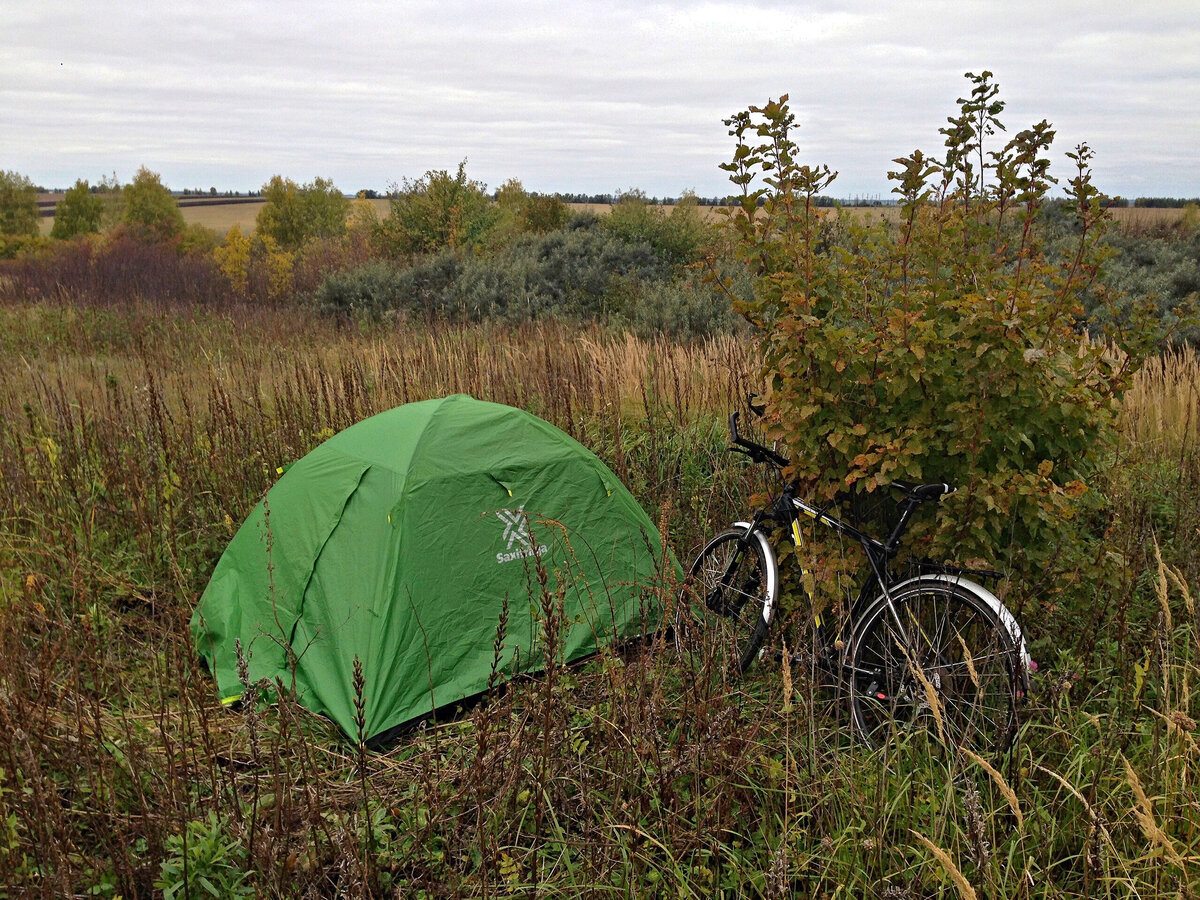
(581, 270)
(941, 349)
(366, 292)
(438, 211)
(685, 309)
(1153, 272)
(678, 237)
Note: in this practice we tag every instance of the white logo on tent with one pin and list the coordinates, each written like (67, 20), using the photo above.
(515, 526)
(516, 533)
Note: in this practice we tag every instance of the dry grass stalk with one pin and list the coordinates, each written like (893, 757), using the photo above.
(1075, 792)
(1144, 811)
(1188, 601)
(931, 695)
(1162, 405)
(1160, 589)
(787, 679)
(969, 660)
(1010, 796)
(960, 880)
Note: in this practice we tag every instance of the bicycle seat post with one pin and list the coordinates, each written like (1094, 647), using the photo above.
(908, 505)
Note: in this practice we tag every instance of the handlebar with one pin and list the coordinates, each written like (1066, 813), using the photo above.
(756, 452)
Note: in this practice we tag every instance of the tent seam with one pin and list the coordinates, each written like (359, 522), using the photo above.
(320, 550)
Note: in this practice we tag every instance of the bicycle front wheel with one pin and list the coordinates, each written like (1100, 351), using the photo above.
(952, 667)
(724, 608)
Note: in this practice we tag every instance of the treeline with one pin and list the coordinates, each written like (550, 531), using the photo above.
(447, 248)
(1166, 202)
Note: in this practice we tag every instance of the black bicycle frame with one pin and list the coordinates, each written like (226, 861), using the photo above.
(788, 508)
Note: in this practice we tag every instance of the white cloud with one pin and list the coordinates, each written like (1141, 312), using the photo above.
(576, 96)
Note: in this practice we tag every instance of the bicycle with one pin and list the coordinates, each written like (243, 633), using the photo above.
(932, 646)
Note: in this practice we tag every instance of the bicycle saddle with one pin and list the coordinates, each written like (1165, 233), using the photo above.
(919, 493)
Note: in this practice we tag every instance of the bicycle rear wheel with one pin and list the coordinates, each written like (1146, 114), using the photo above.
(954, 668)
(720, 617)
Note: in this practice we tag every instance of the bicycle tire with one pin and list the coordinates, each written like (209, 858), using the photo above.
(720, 614)
(967, 679)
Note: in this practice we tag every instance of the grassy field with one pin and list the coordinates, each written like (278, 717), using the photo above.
(132, 442)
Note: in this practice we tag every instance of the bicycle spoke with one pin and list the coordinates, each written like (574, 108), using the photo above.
(951, 662)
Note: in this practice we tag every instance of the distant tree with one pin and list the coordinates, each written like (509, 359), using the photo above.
(149, 209)
(110, 192)
(678, 237)
(1164, 202)
(233, 257)
(511, 195)
(295, 213)
(80, 211)
(19, 212)
(435, 212)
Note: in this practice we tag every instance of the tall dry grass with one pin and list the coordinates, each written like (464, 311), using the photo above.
(1163, 404)
(133, 440)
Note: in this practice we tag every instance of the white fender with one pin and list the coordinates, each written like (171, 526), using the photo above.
(772, 570)
(1005, 617)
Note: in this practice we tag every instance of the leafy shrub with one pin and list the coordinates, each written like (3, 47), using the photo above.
(519, 212)
(436, 212)
(271, 268)
(943, 349)
(197, 238)
(678, 237)
(576, 271)
(18, 246)
(207, 862)
(1153, 272)
(321, 257)
(684, 309)
(368, 291)
(540, 213)
(233, 258)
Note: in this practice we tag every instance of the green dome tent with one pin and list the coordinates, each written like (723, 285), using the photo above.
(400, 540)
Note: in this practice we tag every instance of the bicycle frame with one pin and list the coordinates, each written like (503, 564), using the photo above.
(788, 508)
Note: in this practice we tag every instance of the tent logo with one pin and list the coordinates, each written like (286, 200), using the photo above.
(516, 535)
(515, 528)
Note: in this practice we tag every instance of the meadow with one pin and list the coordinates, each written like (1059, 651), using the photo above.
(134, 438)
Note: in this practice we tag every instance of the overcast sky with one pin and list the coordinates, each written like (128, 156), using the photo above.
(578, 96)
